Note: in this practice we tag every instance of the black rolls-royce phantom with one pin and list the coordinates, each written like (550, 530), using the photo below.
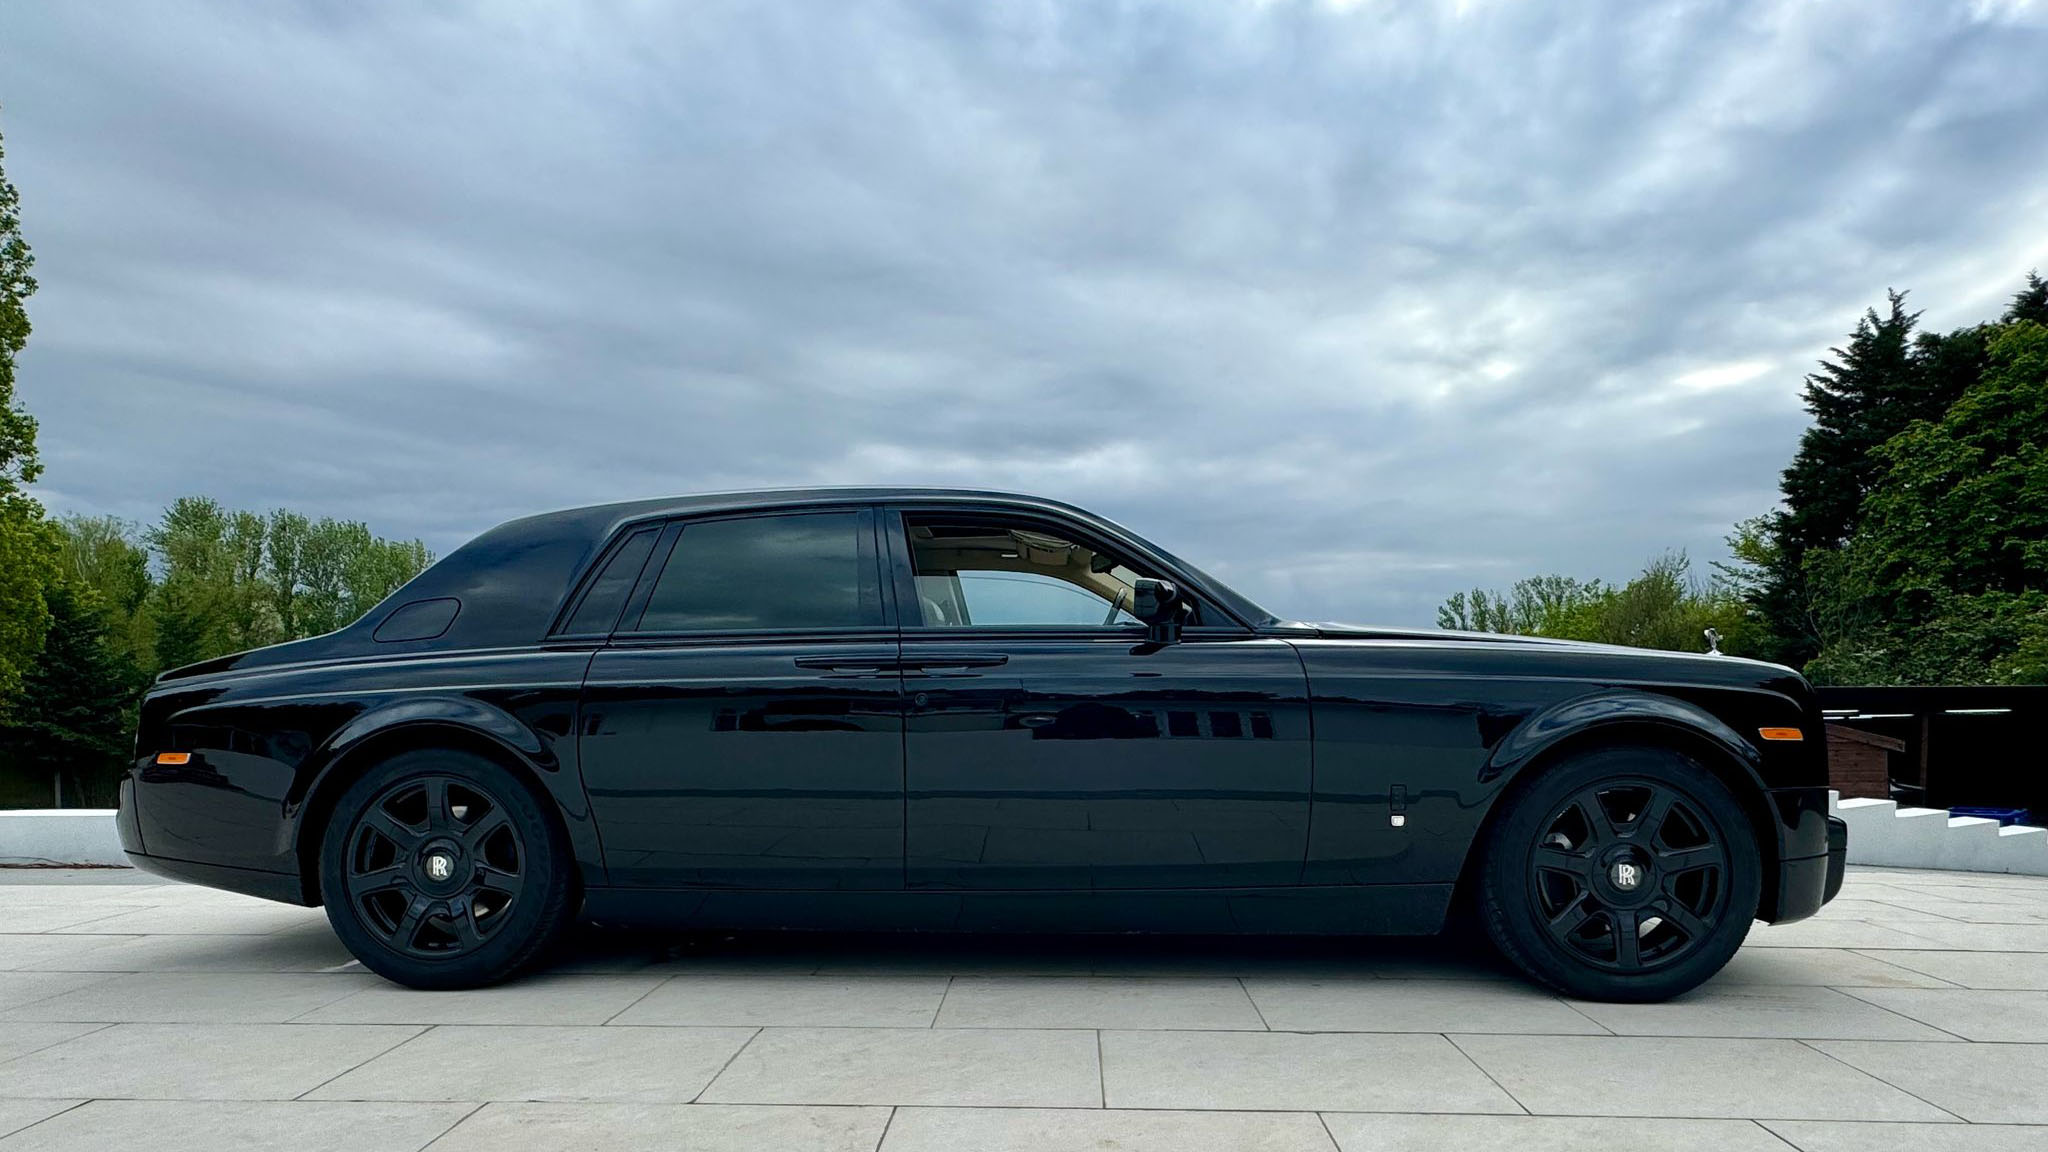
(966, 710)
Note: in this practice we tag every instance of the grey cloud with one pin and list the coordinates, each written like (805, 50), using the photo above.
(1353, 304)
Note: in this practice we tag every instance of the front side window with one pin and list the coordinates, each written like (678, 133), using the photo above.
(993, 575)
(814, 570)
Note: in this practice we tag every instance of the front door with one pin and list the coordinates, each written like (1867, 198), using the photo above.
(744, 726)
(1049, 746)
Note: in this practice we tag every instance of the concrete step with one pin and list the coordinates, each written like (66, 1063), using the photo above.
(1881, 832)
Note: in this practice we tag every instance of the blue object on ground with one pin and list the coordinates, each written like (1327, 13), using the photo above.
(2002, 815)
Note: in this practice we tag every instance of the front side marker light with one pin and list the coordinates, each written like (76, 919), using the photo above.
(174, 758)
(1781, 733)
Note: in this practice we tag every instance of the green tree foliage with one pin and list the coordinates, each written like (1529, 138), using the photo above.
(1663, 607)
(27, 549)
(235, 580)
(1946, 577)
(73, 720)
(106, 555)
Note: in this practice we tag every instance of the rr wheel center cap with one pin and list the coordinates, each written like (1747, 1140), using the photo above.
(1626, 875)
(441, 866)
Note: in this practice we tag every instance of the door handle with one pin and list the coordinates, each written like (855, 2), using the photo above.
(849, 663)
(954, 660)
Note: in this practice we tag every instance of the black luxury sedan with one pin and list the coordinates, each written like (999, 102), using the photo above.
(958, 710)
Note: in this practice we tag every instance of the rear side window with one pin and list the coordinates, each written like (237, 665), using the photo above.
(607, 595)
(814, 570)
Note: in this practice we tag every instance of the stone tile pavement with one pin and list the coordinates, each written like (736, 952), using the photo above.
(1912, 1013)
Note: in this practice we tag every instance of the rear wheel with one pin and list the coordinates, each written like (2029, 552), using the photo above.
(440, 869)
(1624, 874)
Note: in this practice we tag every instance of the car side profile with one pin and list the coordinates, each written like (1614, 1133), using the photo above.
(961, 710)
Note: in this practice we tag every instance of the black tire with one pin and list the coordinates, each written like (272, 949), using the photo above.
(440, 869)
(1642, 901)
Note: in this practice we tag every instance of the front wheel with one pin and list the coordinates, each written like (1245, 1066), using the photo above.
(440, 869)
(1625, 874)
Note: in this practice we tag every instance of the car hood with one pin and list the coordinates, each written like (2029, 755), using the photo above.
(1331, 630)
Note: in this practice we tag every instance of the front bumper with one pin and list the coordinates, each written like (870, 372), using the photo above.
(1812, 852)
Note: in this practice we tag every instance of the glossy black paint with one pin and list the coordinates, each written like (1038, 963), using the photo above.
(1245, 777)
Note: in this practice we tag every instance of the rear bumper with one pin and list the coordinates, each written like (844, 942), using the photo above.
(279, 886)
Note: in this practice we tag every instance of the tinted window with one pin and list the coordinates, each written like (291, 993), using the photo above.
(996, 575)
(607, 596)
(808, 571)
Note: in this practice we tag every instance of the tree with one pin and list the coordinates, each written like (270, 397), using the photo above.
(106, 556)
(1873, 388)
(1946, 577)
(73, 722)
(2030, 302)
(1663, 607)
(27, 549)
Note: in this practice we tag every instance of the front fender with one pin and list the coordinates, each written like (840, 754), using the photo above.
(1615, 708)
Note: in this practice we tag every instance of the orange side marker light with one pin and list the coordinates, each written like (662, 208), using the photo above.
(1781, 733)
(174, 757)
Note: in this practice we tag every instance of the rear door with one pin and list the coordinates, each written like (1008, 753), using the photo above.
(743, 728)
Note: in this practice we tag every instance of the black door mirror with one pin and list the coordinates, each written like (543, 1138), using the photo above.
(1158, 604)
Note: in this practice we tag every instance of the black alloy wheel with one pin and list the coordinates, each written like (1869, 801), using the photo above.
(1626, 874)
(440, 870)
(1629, 876)
(433, 865)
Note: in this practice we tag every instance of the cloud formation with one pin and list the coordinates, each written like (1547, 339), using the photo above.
(1354, 304)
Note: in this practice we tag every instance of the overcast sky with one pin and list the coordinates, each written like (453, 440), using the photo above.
(1355, 304)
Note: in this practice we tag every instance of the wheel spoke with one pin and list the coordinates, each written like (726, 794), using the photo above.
(1678, 914)
(462, 922)
(483, 829)
(403, 836)
(1554, 858)
(1676, 860)
(392, 876)
(1651, 820)
(1572, 916)
(409, 924)
(1627, 938)
(1599, 825)
(438, 817)
(497, 879)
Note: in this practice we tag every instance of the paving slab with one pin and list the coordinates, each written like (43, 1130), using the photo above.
(664, 1128)
(1850, 1136)
(1380, 1005)
(211, 1125)
(545, 998)
(1185, 1002)
(18, 1114)
(1828, 967)
(988, 1067)
(196, 1061)
(568, 1063)
(312, 948)
(1982, 1083)
(1798, 1012)
(1291, 1071)
(1978, 937)
(1973, 1014)
(194, 998)
(1686, 1077)
(791, 1001)
(19, 989)
(59, 914)
(1400, 1133)
(1123, 1130)
(22, 1039)
(1991, 970)
(31, 950)
(198, 919)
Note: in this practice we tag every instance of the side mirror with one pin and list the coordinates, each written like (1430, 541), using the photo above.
(1157, 603)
